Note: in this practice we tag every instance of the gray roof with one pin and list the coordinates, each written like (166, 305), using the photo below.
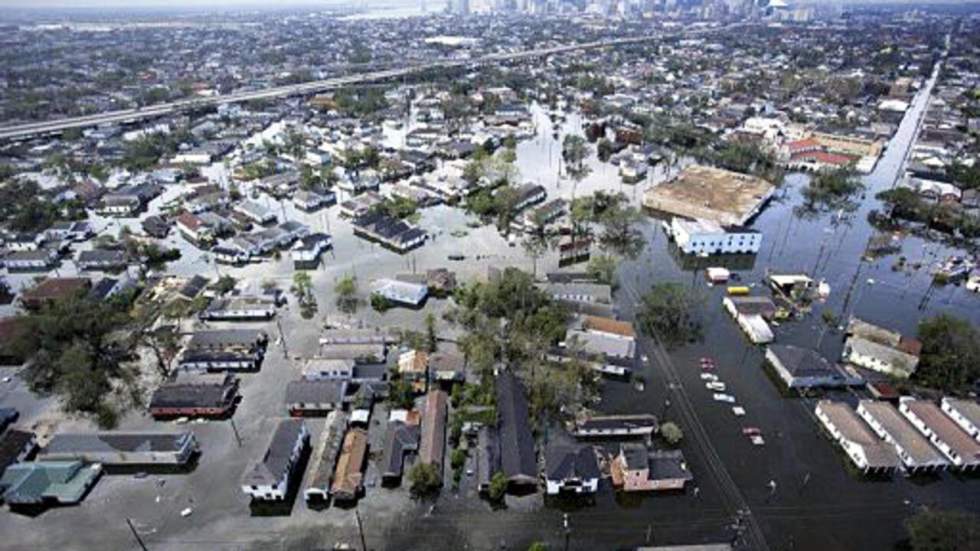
(399, 439)
(668, 465)
(101, 442)
(802, 362)
(222, 338)
(902, 432)
(566, 462)
(514, 428)
(276, 461)
(326, 457)
(315, 392)
(606, 345)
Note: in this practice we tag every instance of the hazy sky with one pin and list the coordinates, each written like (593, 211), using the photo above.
(161, 3)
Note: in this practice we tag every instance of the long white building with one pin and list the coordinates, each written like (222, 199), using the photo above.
(704, 237)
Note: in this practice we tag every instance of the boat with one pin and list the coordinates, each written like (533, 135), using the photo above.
(715, 385)
(954, 268)
(720, 397)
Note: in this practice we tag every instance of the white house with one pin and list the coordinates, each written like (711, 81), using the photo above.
(269, 479)
(571, 470)
(805, 368)
(704, 237)
(912, 448)
(875, 356)
(401, 292)
(863, 447)
(960, 448)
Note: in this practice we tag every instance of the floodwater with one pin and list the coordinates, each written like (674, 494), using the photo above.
(818, 502)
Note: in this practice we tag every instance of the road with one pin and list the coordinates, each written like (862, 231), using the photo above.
(29, 130)
(745, 523)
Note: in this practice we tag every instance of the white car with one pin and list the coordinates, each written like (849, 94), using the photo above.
(719, 397)
(709, 377)
(715, 385)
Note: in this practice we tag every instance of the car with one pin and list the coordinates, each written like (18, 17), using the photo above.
(457, 257)
(709, 377)
(719, 397)
(715, 385)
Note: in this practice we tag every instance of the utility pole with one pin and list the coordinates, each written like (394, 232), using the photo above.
(282, 337)
(234, 430)
(568, 531)
(135, 534)
(360, 529)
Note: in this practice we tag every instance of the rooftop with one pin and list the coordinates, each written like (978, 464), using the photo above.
(701, 192)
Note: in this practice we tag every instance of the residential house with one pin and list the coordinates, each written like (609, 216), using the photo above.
(98, 259)
(400, 438)
(862, 446)
(53, 289)
(311, 398)
(311, 201)
(123, 449)
(637, 469)
(880, 349)
(224, 349)
(40, 483)
(433, 447)
(212, 399)
(517, 455)
(16, 446)
(804, 368)
(397, 235)
(400, 292)
(617, 426)
(965, 413)
(348, 479)
(240, 308)
(255, 212)
(271, 477)
(962, 450)
(193, 229)
(571, 469)
(325, 458)
(912, 448)
(752, 315)
(40, 260)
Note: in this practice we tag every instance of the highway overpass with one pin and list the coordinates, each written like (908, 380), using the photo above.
(35, 129)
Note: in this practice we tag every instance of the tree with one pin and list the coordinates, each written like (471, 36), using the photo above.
(671, 433)
(668, 311)
(950, 357)
(303, 289)
(498, 487)
(602, 268)
(620, 233)
(74, 352)
(431, 339)
(540, 239)
(538, 546)
(832, 190)
(943, 530)
(346, 289)
(425, 479)
(574, 150)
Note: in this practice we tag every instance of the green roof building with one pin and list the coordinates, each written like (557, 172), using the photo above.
(48, 482)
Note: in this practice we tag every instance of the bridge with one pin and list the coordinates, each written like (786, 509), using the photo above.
(127, 116)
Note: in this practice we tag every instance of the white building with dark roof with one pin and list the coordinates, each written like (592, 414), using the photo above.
(269, 479)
